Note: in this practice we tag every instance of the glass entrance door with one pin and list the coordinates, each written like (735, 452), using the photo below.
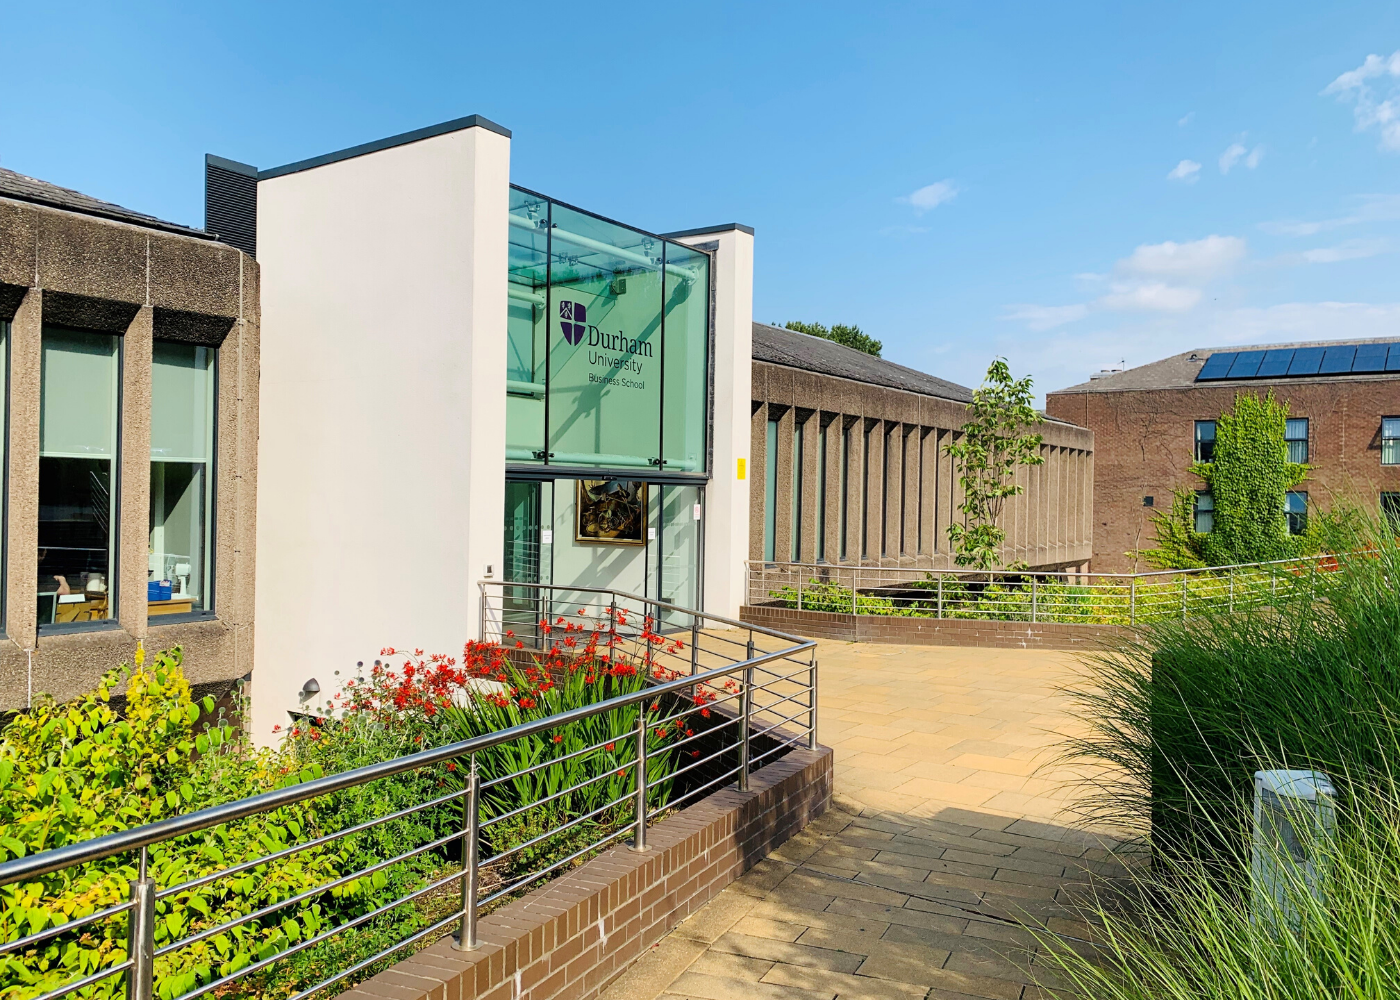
(520, 609)
(677, 558)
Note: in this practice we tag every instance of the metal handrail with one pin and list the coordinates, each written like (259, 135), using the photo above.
(142, 951)
(775, 566)
(1029, 594)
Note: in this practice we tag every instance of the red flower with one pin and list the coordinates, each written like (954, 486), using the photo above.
(451, 766)
(558, 739)
(610, 746)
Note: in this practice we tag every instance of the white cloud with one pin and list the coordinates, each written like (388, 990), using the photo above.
(1236, 153)
(1187, 170)
(1194, 261)
(1347, 250)
(1374, 208)
(1155, 296)
(1289, 321)
(1185, 119)
(1046, 317)
(931, 196)
(1380, 111)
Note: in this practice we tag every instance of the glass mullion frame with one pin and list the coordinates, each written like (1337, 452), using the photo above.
(184, 391)
(79, 477)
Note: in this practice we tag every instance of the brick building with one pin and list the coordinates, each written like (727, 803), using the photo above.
(1152, 421)
(849, 466)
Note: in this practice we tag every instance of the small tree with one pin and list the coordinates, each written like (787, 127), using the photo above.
(1247, 477)
(992, 445)
(840, 333)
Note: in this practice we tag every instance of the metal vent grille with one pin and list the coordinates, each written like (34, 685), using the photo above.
(231, 203)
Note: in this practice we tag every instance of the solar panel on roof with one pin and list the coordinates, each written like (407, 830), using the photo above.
(1337, 360)
(1392, 362)
(1370, 358)
(1306, 361)
(1246, 364)
(1275, 363)
(1217, 365)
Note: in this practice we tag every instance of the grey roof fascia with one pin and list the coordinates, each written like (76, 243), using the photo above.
(402, 139)
(727, 227)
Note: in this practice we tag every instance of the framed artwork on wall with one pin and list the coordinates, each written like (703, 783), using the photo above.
(611, 512)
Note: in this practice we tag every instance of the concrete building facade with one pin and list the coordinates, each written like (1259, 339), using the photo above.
(1145, 428)
(849, 465)
(130, 369)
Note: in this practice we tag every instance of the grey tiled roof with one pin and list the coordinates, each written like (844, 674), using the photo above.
(22, 188)
(1180, 370)
(800, 350)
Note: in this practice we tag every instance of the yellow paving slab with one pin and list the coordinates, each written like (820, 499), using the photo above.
(948, 840)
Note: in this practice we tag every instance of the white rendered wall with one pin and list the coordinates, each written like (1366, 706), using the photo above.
(382, 451)
(727, 498)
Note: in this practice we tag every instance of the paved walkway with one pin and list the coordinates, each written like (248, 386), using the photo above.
(946, 840)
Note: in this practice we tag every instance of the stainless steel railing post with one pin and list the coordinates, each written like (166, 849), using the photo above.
(1033, 600)
(694, 645)
(140, 980)
(940, 595)
(745, 713)
(812, 696)
(471, 833)
(639, 839)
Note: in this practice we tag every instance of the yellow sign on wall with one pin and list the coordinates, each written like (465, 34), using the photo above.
(742, 462)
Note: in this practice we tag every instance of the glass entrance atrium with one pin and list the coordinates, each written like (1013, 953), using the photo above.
(607, 404)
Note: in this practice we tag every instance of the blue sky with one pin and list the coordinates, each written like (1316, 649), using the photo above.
(1068, 185)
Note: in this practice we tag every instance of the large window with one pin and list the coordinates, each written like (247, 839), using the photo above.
(1295, 432)
(1390, 511)
(770, 493)
(821, 495)
(1295, 508)
(1205, 512)
(796, 490)
(842, 487)
(1390, 441)
(182, 475)
(1205, 440)
(865, 493)
(78, 402)
(607, 343)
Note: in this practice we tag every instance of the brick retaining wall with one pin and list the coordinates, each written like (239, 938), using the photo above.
(932, 631)
(571, 937)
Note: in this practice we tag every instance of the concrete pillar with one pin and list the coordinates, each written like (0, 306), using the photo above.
(730, 491)
(811, 487)
(134, 482)
(22, 505)
(758, 462)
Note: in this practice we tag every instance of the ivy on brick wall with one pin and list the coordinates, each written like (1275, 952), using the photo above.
(1247, 477)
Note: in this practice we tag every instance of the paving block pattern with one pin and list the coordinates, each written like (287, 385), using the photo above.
(947, 852)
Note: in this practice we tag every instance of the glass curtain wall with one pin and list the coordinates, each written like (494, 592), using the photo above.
(608, 358)
(78, 403)
(526, 328)
(182, 474)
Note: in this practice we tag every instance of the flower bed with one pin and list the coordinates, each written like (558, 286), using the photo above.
(72, 772)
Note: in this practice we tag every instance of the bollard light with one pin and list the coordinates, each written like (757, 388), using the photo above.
(1295, 818)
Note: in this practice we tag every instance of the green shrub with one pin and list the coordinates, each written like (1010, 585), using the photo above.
(75, 771)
